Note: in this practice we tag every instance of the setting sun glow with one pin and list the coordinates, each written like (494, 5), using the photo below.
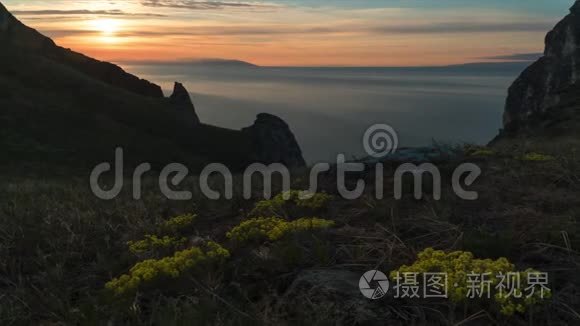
(296, 32)
(106, 26)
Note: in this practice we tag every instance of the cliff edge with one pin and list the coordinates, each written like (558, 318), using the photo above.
(543, 94)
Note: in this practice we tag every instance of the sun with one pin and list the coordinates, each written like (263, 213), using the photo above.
(106, 26)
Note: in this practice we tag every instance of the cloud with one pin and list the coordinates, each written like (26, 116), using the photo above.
(214, 30)
(517, 57)
(205, 5)
(189, 62)
(435, 28)
(114, 12)
(58, 33)
(467, 27)
(281, 30)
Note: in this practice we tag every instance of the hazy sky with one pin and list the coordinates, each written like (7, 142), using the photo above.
(297, 32)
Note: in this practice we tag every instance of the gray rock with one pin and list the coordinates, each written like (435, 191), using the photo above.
(539, 88)
(181, 100)
(274, 142)
(335, 294)
(328, 282)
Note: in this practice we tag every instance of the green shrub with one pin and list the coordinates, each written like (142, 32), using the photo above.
(483, 152)
(473, 150)
(458, 264)
(273, 228)
(179, 223)
(153, 242)
(153, 270)
(299, 199)
(537, 157)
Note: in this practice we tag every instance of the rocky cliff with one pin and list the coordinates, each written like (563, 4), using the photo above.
(182, 103)
(274, 142)
(544, 86)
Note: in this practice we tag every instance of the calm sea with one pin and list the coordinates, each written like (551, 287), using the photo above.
(329, 109)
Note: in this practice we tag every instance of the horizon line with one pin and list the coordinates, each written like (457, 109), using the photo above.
(247, 64)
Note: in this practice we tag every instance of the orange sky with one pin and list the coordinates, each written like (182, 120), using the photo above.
(278, 34)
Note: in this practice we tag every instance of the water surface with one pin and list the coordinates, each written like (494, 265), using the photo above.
(329, 109)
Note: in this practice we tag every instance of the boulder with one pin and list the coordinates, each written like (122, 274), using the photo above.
(274, 142)
(336, 293)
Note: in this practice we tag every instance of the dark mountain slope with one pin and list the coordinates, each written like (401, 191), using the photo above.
(15, 35)
(66, 118)
(61, 111)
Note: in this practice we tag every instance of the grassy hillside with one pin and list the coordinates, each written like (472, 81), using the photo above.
(63, 253)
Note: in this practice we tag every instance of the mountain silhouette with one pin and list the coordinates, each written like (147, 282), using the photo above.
(62, 111)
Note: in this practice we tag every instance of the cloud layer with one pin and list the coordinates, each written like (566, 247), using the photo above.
(205, 5)
(276, 32)
(113, 12)
(518, 57)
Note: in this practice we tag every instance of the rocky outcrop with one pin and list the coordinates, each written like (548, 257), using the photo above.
(18, 37)
(540, 87)
(181, 100)
(274, 142)
(315, 289)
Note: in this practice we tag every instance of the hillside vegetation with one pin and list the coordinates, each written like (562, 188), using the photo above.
(69, 258)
